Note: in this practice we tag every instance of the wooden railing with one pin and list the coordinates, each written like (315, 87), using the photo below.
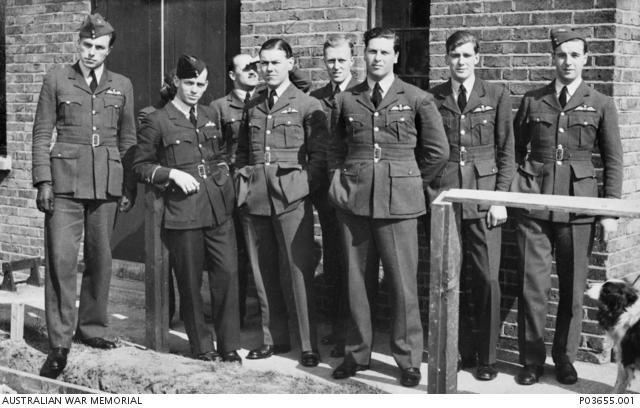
(446, 258)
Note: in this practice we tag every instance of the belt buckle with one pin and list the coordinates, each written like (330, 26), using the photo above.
(202, 171)
(95, 140)
(559, 154)
(377, 153)
(462, 155)
(267, 158)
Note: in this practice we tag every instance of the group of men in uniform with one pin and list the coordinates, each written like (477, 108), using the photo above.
(244, 174)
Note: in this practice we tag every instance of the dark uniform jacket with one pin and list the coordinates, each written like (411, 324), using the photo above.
(167, 140)
(280, 152)
(229, 110)
(480, 140)
(94, 131)
(325, 95)
(561, 142)
(384, 158)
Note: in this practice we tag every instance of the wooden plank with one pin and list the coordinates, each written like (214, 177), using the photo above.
(583, 205)
(27, 383)
(445, 261)
(156, 273)
(17, 321)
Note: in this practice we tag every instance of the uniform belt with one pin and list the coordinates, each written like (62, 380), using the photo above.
(463, 154)
(380, 151)
(272, 155)
(95, 140)
(203, 170)
(560, 153)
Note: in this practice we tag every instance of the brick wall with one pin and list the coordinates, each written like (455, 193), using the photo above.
(39, 34)
(515, 50)
(305, 24)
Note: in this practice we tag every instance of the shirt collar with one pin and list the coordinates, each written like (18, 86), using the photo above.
(571, 88)
(385, 83)
(183, 107)
(343, 86)
(281, 88)
(468, 85)
(241, 93)
(86, 72)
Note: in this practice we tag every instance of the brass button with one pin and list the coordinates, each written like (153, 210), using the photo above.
(376, 114)
(95, 128)
(269, 116)
(177, 142)
(375, 129)
(401, 119)
(93, 112)
(268, 132)
(561, 130)
(462, 132)
(461, 116)
(200, 146)
(561, 113)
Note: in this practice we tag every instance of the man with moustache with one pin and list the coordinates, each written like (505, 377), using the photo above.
(80, 183)
(387, 144)
(280, 161)
(243, 72)
(558, 128)
(181, 146)
(338, 53)
(477, 118)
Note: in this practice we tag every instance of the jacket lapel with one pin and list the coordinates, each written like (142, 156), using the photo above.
(178, 117)
(475, 97)
(578, 97)
(361, 93)
(75, 74)
(283, 100)
(392, 94)
(447, 95)
(550, 96)
(105, 81)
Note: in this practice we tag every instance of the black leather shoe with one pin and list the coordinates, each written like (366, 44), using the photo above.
(346, 370)
(231, 357)
(98, 342)
(209, 356)
(337, 351)
(466, 362)
(309, 358)
(267, 350)
(566, 373)
(54, 364)
(410, 377)
(486, 372)
(529, 374)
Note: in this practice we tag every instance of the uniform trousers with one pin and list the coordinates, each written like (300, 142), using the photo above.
(537, 242)
(333, 266)
(64, 229)
(215, 249)
(281, 252)
(481, 248)
(366, 242)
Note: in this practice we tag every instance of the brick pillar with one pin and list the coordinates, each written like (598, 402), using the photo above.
(515, 50)
(39, 34)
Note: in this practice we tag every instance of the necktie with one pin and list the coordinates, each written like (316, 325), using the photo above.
(563, 96)
(376, 96)
(272, 99)
(247, 98)
(192, 117)
(336, 91)
(462, 98)
(94, 81)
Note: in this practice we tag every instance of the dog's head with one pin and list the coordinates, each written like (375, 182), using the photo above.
(613, 296)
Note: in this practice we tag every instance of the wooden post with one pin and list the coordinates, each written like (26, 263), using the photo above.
(17, 321)
(445, 261)
(156, 272)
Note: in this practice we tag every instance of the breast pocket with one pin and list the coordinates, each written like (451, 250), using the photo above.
(401, 123)
(113, 107)
(482, 127)
(70, 109)
(178, 149)
(541, 124)
(290, 125)
(355, 125)
(214, 142)
(585, 125)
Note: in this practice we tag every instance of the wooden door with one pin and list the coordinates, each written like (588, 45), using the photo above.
(150, 37)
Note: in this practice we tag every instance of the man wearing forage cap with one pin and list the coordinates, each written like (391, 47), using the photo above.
(79, 178)
(181, 146)
(563, 123)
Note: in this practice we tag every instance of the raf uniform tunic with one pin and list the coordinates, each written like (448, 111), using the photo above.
(198, 226)
(554, 147)
(380, 160)
(280, 160)
(332, 257)
(84, 164)
(481, 158)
